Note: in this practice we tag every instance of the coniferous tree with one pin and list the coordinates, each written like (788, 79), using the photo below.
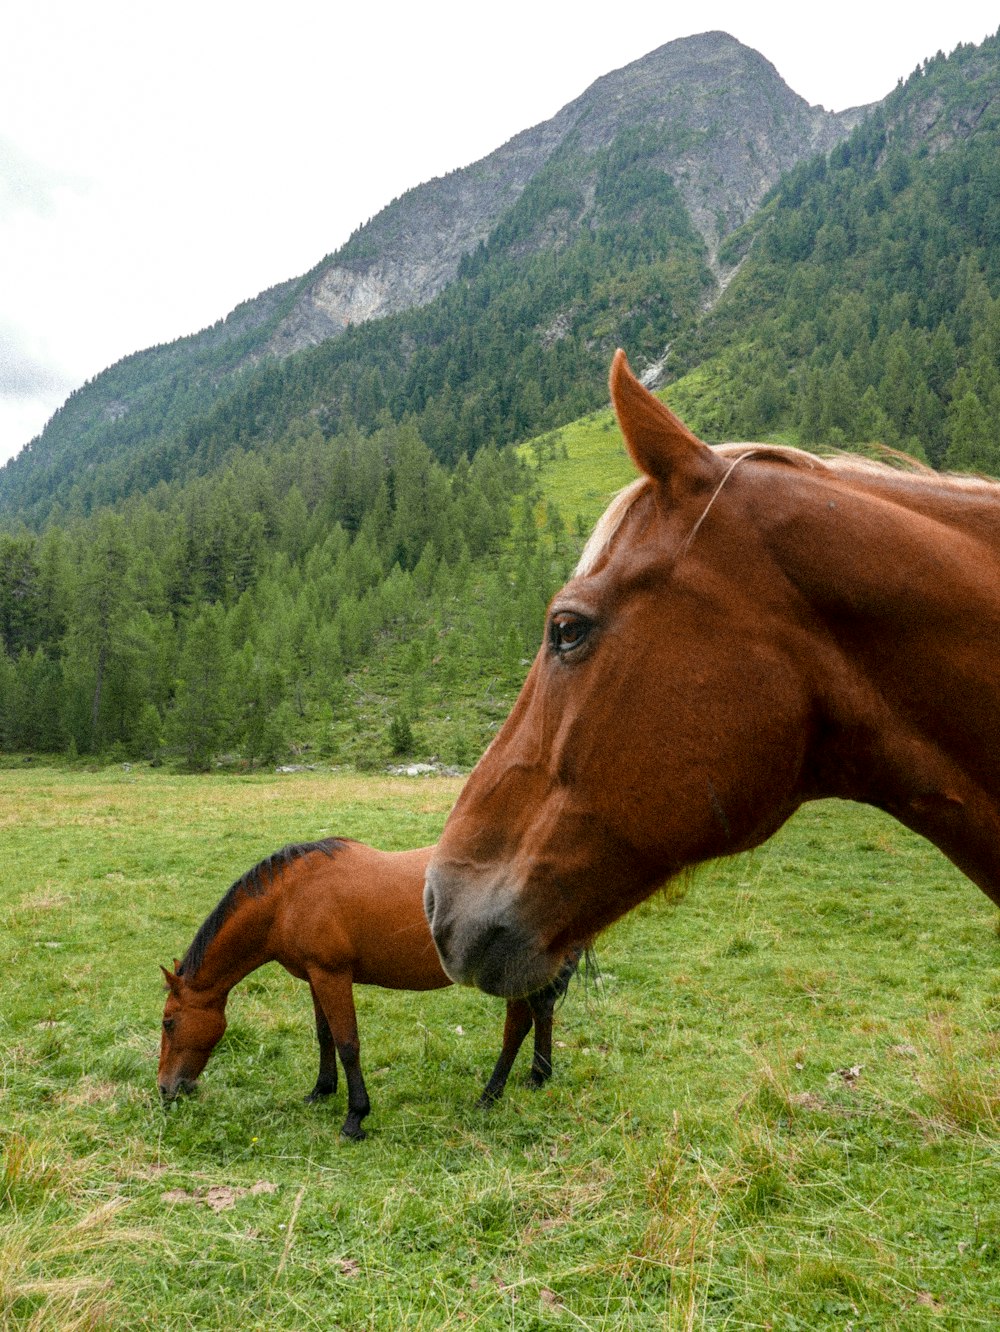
(100, 646)
(202, 713)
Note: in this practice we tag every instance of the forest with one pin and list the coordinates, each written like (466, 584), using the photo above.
(311, 601)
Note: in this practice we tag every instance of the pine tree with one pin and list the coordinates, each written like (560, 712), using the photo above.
(201, 718)
(104, 604)
(974, 445)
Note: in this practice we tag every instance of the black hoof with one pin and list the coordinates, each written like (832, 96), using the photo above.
(318, 1094)
(353, 1132)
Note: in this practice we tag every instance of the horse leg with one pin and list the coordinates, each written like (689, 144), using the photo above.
(336, 997)
(541, 1063)
(542, 1008)
(515, 1028)
(326, 1081)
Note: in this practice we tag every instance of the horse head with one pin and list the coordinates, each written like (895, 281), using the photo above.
(189, 1034)
(663, 721)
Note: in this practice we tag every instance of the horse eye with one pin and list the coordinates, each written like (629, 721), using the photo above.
(567, 631)
(168, 1024)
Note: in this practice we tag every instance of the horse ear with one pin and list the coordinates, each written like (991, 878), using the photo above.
(660, 445)
(173, 981)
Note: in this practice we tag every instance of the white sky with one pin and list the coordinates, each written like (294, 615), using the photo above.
(161, 162)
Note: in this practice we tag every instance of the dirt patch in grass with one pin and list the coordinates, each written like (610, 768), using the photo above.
(219, 1197)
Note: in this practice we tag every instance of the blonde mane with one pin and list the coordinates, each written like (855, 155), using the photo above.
(899, 466)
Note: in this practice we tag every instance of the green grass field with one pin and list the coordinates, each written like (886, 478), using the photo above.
(778, 1109)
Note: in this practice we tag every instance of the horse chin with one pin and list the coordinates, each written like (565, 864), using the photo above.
(510, 974)
(489, 948)
(169, 1091)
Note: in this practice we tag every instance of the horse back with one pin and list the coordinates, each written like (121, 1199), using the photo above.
(361, 909)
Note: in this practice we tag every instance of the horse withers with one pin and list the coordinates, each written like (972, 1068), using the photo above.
(334, 913)
(749, 627)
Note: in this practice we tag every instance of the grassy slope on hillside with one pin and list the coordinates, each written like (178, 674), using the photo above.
(779, 1109)
(580, 467)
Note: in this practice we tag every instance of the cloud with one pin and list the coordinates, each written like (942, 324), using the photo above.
(25, 375)
(21, 419)
(28, 186)
(33, 384)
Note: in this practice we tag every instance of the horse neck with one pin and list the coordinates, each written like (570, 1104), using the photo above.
(968, 505)
(923, 522)
(239, 947)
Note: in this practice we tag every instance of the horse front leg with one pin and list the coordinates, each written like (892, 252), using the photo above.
(515, 1028)
(326, 1081)
(542, 1007)
(336, 998)
(541, 1063)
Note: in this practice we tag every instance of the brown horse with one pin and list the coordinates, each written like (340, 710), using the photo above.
(748, 628)
(334, 913)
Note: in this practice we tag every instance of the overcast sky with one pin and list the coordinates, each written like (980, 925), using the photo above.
(161, 163)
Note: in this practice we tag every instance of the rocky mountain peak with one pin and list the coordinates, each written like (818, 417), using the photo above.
(726, 126)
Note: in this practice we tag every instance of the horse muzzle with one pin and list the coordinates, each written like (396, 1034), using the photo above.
(169, 1091)
(480, 939)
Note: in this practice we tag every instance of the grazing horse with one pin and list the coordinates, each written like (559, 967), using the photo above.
(748, 628)
(334, 913)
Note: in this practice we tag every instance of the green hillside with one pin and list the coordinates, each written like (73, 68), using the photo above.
(866, 303)
(579, 467)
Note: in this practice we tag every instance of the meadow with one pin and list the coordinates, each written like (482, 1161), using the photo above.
(777, 1107)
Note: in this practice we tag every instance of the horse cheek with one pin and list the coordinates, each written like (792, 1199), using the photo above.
(707, 744)
(161, 1067)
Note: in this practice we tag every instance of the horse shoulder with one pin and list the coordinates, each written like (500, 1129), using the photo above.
(313, 923)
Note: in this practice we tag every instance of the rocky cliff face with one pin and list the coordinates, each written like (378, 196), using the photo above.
(726, 127)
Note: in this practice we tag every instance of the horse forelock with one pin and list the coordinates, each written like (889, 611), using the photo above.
(608, 524)
(254, 883)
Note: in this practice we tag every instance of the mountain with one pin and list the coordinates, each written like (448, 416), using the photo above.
(867, 302)
(727, 128)
(323, 554)
(684, 144)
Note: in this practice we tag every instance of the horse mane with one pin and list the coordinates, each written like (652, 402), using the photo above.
(254, 883)
(890, 464)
